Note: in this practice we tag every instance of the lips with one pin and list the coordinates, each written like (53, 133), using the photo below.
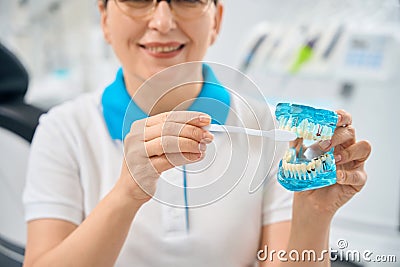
(162, 49)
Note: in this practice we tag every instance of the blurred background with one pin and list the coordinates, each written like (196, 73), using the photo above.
(326, 53)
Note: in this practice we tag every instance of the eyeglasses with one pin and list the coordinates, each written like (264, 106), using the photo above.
(181, 8)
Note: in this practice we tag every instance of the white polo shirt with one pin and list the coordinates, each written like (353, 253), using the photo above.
(74, 163)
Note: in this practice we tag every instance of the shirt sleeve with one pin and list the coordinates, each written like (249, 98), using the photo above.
(277, 201)
(53, 188)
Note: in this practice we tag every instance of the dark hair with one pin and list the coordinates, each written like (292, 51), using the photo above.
(106, 1)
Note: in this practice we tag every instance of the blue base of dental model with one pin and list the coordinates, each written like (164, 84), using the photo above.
(305, 168)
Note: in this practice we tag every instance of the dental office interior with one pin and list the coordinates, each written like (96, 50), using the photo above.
(323, 53)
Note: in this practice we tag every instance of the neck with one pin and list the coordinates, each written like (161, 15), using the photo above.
(173, 89)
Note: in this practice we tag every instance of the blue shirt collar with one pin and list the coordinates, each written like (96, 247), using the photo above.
(213, 100)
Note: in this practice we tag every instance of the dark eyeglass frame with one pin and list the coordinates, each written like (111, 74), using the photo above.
(154, 6)
(106, 1)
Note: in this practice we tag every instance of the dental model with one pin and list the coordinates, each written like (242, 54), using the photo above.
(304, 168)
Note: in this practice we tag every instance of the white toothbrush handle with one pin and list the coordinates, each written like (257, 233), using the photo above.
(276, 134)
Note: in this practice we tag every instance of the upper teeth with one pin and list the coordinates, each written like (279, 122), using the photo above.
(305, 129)
(162, 49)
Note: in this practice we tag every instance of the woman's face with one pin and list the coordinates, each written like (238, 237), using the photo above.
(147, 45)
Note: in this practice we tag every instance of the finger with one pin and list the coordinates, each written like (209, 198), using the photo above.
(344, 118)
(173, 144)
(354, 177)
(358, 152)
(177, 129)
(345, 136)
(352, 165)
(137, 128)
(168, 161)
(188, 117)
(297, 144)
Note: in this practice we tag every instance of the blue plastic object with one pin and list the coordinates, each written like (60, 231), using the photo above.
(306, 167)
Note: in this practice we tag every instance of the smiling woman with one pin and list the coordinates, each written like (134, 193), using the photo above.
(153, 35)
(114, 176)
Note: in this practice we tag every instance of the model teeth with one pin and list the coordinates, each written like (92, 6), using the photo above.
(162, 49)
(306, 130)
(306, 170)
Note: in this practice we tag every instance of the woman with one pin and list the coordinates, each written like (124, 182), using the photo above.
(91, 197)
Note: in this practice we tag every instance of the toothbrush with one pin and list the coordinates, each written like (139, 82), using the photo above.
(276, 134)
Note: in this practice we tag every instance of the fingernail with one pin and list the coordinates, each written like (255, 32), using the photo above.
(202, 147)
(206, 140)
(339, 118)
(208, 135)
(325, 144)
(338, 158)
(203, 118)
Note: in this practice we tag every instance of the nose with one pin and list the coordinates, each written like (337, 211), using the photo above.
(162, 19)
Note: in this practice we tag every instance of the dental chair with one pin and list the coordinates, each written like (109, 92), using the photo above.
(18, 122)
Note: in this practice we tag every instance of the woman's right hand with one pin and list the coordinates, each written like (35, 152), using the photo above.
(159, 143)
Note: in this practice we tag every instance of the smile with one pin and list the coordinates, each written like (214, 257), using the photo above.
(162, 48)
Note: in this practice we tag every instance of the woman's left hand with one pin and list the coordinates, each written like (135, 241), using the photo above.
(350, 157)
